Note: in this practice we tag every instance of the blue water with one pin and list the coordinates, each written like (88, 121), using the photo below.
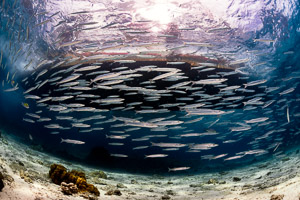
(281, 64)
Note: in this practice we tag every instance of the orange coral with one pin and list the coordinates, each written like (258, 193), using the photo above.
(59, 174)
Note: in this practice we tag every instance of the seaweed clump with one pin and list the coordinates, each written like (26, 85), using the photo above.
(59, 174)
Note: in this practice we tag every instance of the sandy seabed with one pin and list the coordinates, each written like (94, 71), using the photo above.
(26, 178)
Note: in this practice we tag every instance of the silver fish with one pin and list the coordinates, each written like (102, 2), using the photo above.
(257, 82)
(119, 155)
(71, 141)
(166, 145)
(211, 81)
(178, 169)
(156, 156)
(70, 78)
(287, 91)
(256, 120)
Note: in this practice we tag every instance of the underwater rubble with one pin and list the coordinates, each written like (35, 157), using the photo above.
(274, 179)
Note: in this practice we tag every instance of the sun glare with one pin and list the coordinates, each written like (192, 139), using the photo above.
(161, 13)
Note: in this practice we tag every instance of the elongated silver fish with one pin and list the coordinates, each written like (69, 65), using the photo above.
(257, 82)
(164, 75)
(71, 141)
(287, 91)
(156, 156)
(204, 112)
(204, 146)
(105, 76)
(178, 169)
(166, 145)
(256, 120)
(70, 78)
(211, 81)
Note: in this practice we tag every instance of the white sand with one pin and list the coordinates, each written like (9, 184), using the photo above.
(263, 179)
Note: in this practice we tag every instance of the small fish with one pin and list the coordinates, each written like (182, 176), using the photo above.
(204, 112)
(171, 145)
(234, 157)
(41, 74)
(44, 100)
(140, 147)
(287, 114)
(53, 126)
(242, 128)
(105, 76)
(276, 146)
(256, 120)
(28, 120)
(26, 105)
(257, 82)
(204, 146)
(165, 75)
(44, 120)
(156, 156)
(287, 91)
(12, 89)
(268, 103)
(211, 81)
(117, 136)
(87, 68)
(220, 156)
(80, 125)
(71, 141)
(68, 79)
(116, 144)
(178, 169)
(33, 115)
(119, 155)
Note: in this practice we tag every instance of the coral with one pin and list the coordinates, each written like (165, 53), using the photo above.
(25, 176)
(68, 189)
(59, 174)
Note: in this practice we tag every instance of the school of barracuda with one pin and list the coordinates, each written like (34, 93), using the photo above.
(60, 87)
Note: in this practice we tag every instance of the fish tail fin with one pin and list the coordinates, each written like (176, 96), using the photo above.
(169, 169)
(62, 140)
(91, 82)
(152, 143)
(245, 85)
